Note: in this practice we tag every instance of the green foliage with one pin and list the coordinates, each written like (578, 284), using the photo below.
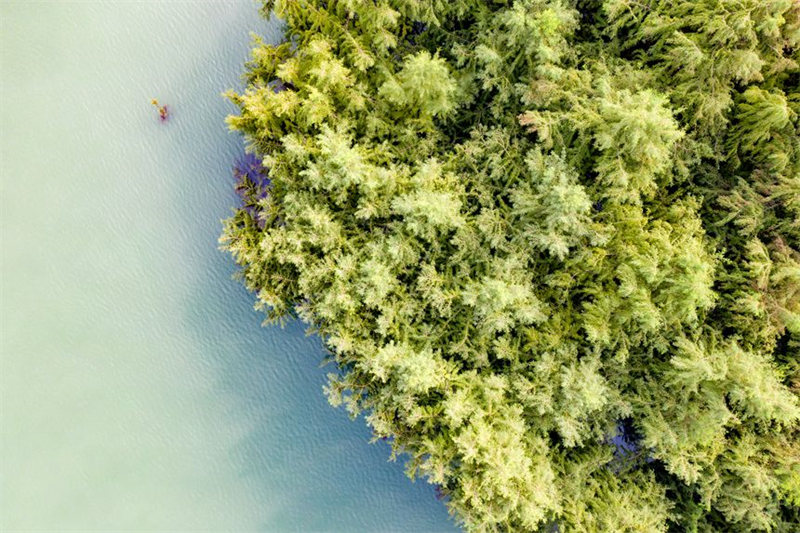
(520, 225)
(423, 86)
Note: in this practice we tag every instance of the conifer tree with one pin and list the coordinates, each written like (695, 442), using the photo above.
(553, 247)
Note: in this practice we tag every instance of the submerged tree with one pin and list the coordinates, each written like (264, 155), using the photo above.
(552, 245)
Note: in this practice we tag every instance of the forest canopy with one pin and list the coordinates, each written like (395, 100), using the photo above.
(553, 247)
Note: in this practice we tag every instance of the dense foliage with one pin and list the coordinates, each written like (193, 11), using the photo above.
(552, 245)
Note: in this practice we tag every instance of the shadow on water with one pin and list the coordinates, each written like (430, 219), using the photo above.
(312, 466)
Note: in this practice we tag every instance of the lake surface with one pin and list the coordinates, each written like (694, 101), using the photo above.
(138, 390)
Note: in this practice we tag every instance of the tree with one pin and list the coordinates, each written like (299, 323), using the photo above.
(553, 247)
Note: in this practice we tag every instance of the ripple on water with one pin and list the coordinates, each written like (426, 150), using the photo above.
(138, 390)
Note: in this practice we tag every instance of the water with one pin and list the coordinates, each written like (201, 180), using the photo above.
(138, 390)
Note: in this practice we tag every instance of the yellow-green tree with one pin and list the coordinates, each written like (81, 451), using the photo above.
(553, 247)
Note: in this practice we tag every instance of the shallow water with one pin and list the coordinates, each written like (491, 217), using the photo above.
(138, 390)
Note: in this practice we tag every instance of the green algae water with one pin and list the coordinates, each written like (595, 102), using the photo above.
(139, 391)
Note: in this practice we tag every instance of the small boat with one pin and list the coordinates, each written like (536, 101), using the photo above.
(163, 112)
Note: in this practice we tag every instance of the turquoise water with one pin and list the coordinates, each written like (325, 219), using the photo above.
(138, 390)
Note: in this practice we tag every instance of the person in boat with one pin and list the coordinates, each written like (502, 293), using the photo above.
(163, 113)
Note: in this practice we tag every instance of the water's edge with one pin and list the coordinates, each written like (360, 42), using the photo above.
(137, 388)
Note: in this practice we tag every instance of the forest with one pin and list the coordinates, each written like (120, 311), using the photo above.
(552, 247)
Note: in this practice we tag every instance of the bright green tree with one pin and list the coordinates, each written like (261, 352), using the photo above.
(553, 247)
